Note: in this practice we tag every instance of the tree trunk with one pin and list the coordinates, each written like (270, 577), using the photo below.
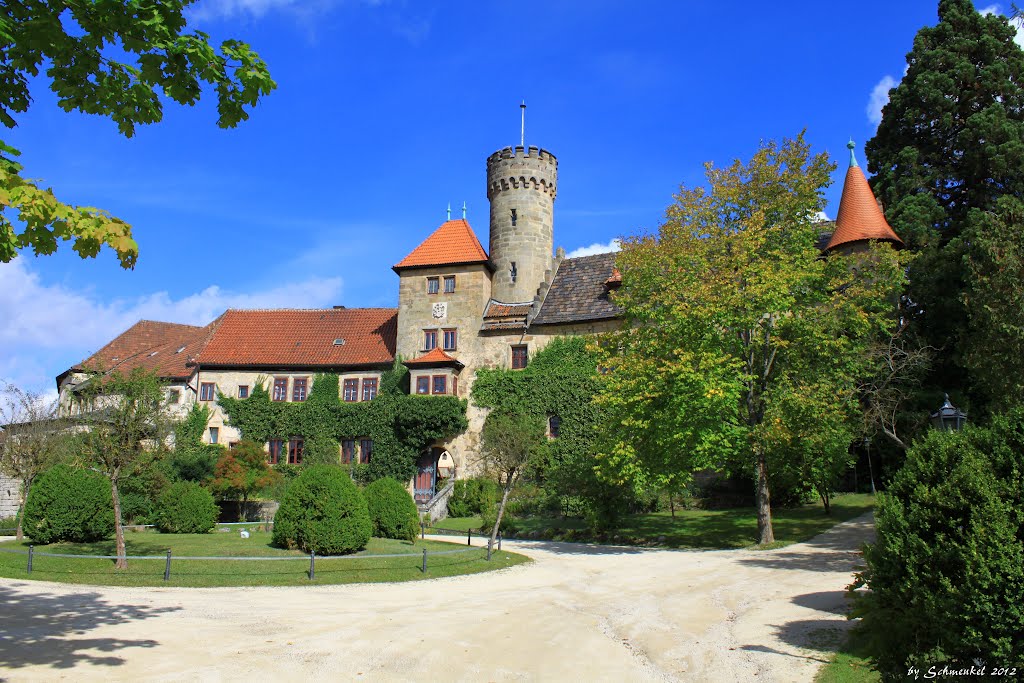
(672, 505)
(122, 559)
(764, 508)
(240, 504)
(26, 484)
(501, 511)
(19, 534)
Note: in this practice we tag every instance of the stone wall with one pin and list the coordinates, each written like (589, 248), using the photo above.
(9, 494)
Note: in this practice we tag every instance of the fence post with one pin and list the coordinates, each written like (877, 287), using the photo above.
(488, 550)
(30, 547)
(424, 569)
(469, 536)
(167, 567)
(312, 565)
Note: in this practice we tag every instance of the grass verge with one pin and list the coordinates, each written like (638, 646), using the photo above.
(356, 568)
(850, 664)
(733, 528)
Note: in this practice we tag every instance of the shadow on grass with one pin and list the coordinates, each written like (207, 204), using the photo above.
(841, 545)
(42, 630)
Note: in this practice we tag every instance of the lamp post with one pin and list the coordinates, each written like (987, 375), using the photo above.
(948, 418)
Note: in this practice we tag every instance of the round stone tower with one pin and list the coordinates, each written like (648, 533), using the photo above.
(521, 187)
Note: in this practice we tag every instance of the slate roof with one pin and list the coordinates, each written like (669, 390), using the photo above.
(859, 218)
(453, 242)
(302, 338)
(163, 348)
(579, 291)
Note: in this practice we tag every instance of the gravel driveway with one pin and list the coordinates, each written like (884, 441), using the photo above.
(577, 613)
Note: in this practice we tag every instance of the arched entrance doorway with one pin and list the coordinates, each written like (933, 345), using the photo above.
(425, 484)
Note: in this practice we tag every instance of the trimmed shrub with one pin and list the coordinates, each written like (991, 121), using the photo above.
(392, 510)
(68, 504)
(472, 497)
(323, 511)
(186, 508)
(947, 570)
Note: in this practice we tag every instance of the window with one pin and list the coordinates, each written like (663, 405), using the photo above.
(214, 434)
(455, 386)
(243, 391)
(207, 391)
(432, 283)
(449, 284)
(233, 445)
(423, 385)
(280, 389)
(295, 451)
(429, 339)
(299, 389)
(348, 450)
(514, 217)
(173, 397)
(518, 357)
(450, 339)
(274, 450)
(369, 388)
(554, 426)
(351, 390)
(365, 450)
(440, 384)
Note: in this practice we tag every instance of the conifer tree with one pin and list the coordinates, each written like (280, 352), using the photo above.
(949, 146)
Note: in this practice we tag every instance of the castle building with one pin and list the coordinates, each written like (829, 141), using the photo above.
(460, 308)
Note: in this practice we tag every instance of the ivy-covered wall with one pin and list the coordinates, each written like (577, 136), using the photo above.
(561, 380)
(401, 425)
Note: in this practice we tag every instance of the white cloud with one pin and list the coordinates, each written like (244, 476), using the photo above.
(596, 248)
(996, 9)
(229, 9)
(44, 325)
(821, 216)
(879, 98)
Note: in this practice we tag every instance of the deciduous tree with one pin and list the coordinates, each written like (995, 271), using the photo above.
(120, 59)
(740, 340)
(241, 472)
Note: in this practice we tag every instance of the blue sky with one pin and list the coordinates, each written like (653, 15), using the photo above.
(385, 112)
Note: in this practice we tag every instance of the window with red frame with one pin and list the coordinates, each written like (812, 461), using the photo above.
(423, 385)
(274, 448)
(348, 451)
(440, 384)
(365, 450)
(369, 388)
(518, 357)
(299, 386)
(449, 284)
(429, 340)
(451, 338)
(207, 391)
(295, 446)
(350, 392)
(280, 389)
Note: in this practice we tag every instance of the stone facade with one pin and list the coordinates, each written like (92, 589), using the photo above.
(10, 491)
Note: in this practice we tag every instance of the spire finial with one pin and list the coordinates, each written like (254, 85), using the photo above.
(449, 210)
(851, 145)
(522, 125)
(463, 210)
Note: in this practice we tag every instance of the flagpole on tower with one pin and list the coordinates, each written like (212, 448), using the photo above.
(522, 125)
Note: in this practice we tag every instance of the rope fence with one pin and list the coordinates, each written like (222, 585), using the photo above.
(31, 554)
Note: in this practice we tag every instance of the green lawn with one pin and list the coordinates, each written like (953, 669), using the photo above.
(849, 665)
(734, 528)
(242, 572)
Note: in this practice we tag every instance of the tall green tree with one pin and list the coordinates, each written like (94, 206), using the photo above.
(737, 330)
(116, 58)
(949, 146)
(127, 428)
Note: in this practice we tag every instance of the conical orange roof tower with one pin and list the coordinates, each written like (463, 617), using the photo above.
(860, 219)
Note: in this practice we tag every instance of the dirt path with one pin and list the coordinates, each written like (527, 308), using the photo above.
(578, 613)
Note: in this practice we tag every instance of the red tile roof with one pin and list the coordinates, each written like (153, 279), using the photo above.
(453, 242)
(163, 348)
(859, 217)
(302, 338)
(434, 357)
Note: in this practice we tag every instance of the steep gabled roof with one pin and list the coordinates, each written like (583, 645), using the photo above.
(453, 242)
(859, 218)
(163, 348)
(307, 338)
(579, 291)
